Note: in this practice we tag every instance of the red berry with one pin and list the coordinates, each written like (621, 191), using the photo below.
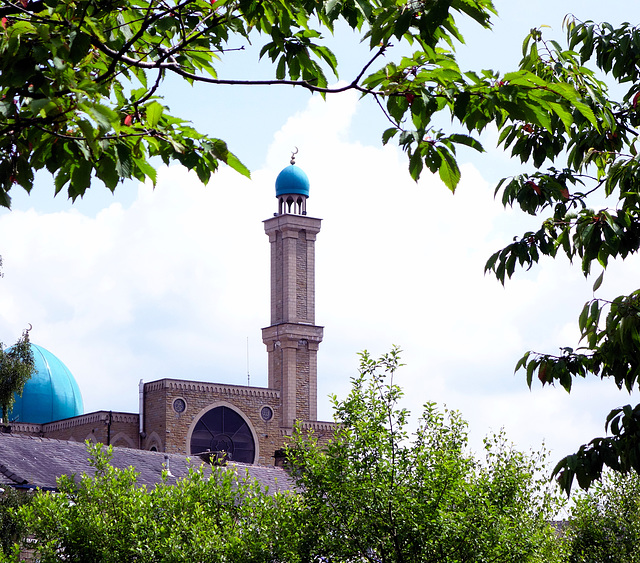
(535, 187)
(128, 120)
(542, 373)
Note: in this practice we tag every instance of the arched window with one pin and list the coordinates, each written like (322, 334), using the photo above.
(222, 429)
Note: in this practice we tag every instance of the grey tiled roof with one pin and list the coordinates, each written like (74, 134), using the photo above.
(37, 462)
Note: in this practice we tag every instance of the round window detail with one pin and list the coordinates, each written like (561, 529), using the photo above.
(266, 413)
(179, 405)
(222, 429)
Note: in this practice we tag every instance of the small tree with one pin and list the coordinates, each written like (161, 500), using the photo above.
(16, 367)
(605, 523)
(211, 515)
(376, 493)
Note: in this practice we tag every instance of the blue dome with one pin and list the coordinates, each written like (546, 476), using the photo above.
(292, 180)
(51, 394)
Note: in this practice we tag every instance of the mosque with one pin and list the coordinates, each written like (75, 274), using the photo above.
(177, 416)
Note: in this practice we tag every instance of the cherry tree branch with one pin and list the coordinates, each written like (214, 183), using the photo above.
(174, 67)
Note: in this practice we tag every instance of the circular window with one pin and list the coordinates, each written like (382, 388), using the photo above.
(179, 405)
(266, 413)
(222, 429)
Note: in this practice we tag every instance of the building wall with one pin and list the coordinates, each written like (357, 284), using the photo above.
(174, 428)
(169, 431)
(107, 427)
(115, 428)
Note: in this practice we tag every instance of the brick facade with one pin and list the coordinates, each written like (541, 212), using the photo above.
(116, 428)
(292, 340)
(170, 429)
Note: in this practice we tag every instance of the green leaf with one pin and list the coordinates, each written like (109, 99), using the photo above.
(388, 134)
(80, 178)
(153, 113)
(234, 163)
(449, 171)
(598, 282)
(467, 140)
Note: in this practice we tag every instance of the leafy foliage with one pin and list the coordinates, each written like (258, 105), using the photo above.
(378, 493)
(374, 493)
(216, 515)
(11, 527)
(605, 522)
(582, 155)
(16, 367)
(81, 80)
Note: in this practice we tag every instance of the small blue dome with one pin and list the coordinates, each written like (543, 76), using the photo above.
(292, 180)
(50, 394)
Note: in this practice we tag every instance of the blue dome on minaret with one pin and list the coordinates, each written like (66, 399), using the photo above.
(50, 394)
(292, 180)
(292, 189)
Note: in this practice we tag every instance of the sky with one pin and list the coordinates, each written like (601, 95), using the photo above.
(174, 282)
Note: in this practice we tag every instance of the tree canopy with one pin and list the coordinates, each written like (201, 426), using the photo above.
(380, 492)
(580, 158)
(605, 522)
(81, 80)
(377, 492)
(16, 367)
(214, 514)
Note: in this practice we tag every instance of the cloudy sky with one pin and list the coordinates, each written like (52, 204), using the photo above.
(173, 282)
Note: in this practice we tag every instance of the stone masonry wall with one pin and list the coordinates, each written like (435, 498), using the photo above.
(301, 277)
(302, 381)
(155, 414)
(93, 426)
(198, 398)
(277, 266)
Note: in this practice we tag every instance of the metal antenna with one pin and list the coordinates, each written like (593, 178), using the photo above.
(248, 376)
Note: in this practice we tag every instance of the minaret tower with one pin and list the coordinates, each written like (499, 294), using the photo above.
(292, 340)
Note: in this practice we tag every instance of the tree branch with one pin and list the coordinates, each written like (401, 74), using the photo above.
(173, 66)
(32, 7)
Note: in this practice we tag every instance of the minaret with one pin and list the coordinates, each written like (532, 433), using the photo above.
(292, 340)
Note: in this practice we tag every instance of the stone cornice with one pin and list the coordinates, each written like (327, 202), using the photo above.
(293, 332)
(25, 428)
(318, 425)
(217, 388)
(290, 222)
(91, 418)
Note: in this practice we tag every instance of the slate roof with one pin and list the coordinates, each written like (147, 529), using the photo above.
(29, 461)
